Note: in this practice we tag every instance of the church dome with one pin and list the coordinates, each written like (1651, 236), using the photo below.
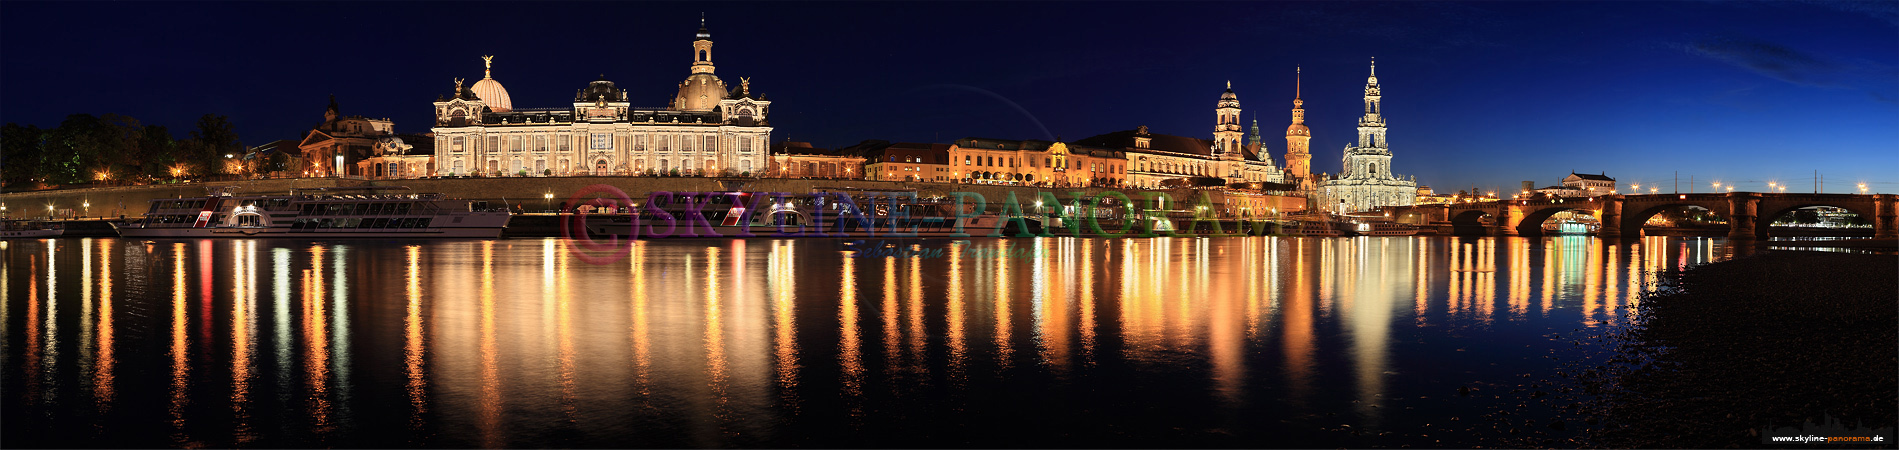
(1298, 129)
(700, 92)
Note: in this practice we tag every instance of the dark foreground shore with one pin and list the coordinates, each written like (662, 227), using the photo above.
(1726, 350)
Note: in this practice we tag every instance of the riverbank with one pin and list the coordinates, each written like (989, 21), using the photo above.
(1727, 350)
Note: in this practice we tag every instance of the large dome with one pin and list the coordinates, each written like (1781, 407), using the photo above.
(492, 94)
(490, 91)
(700, 92)
(1298, 129)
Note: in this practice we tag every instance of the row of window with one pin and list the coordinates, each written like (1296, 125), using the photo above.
(601, 141)
(361, 223)
(356, 209)
(991, 161)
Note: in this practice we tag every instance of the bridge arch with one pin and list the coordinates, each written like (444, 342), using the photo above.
(1533, 217)
(1635, 214)
(1774, 210)
(1470, 222)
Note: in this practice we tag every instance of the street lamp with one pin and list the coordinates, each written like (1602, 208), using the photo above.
(1862, 188)
(1652, 190)
(549, 204)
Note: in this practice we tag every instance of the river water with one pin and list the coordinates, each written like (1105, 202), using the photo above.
(1158, 342)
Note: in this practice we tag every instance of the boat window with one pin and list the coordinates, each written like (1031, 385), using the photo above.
(402, 208)
(362, 208)
(423, 224)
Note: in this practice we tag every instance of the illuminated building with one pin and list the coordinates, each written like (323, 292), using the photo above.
(908, 161)
(706, 129)
(801, 160)
(1035, 163)
(1366, 181)
(1156, 159)
(335, 146)
(1299, 139)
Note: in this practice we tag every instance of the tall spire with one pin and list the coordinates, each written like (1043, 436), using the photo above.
(487, 66)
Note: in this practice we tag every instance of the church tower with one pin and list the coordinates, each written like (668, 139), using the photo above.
(1226, 128)
(1298, 137)
(1366, 182)
(702, 90)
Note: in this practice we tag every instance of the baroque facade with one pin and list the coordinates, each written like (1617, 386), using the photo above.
(705, 129)
(1154, 159)
(1366, 182)
(334, 147)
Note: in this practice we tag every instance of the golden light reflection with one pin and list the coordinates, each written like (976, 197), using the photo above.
(1087, 303)
(715, 329)
(783, 285)
(31, 361)
(1519, 278)
(316, 340)
(1298, 341)
(86, 350)
(103, 382)
(243, 343)
(180, 354)
(915, 309)
(1422, 302)
(888, 312)
(412, 348)
(1048, 293)
(848, 345)
(49, 355)
(490, 373)
(954, 309)
(1002, 292)
(642, 340)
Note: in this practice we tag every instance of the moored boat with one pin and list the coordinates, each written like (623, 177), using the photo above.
(30, 229)
(360, 212)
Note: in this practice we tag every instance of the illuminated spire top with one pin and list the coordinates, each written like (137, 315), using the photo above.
(1298, 85)
(487, 66)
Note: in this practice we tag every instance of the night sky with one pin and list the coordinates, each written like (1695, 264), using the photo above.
(1476, 94)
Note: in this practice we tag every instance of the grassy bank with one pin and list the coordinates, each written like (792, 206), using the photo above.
(1726, 349)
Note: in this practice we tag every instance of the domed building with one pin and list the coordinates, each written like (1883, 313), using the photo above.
(702, 90)
(489, 90)
(706, 129)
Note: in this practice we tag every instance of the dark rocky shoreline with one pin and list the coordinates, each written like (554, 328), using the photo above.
(1724, 351)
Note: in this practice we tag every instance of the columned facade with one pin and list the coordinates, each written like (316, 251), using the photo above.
(706, 130)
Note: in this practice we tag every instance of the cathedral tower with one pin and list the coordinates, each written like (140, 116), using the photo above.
(1365, 182)
(702, 90)
(1298, 137)
(1226, 128)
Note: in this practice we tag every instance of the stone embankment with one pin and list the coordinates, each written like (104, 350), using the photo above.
(530, 193)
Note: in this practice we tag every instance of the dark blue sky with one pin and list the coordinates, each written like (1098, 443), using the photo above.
(1476, 94)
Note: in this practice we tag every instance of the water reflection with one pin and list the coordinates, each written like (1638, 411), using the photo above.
(774, 342)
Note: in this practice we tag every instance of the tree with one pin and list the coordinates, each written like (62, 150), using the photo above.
(213, 139)
(20, 153)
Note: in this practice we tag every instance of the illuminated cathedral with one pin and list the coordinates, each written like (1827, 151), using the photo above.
(1365, 182)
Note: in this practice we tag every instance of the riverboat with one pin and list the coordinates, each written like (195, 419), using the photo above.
(1381, 228)
(337, 212)
(30, 229)
(816, 215)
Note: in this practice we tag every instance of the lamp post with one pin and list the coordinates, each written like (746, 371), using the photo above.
(1862, 188)
(549, 203)
(87, 206)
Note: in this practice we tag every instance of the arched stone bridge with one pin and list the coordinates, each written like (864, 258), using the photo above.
(1623, 215)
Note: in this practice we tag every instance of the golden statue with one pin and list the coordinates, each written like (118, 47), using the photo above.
(487, 66)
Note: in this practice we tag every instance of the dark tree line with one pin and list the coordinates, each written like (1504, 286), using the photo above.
(115, 149)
